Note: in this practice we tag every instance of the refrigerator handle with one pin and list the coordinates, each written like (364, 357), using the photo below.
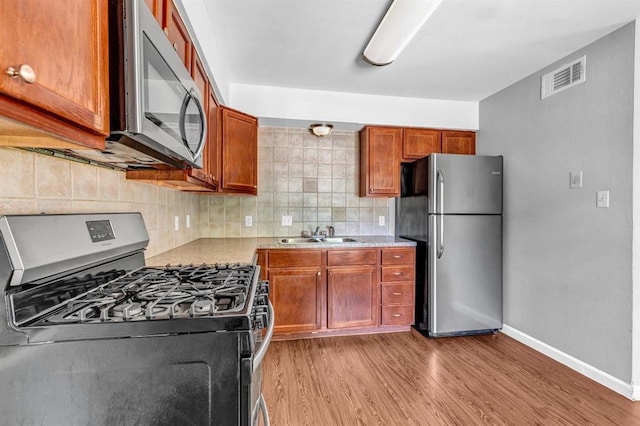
(440, 179)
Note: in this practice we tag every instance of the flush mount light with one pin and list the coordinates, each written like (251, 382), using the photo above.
(321, 130)
(401, 22)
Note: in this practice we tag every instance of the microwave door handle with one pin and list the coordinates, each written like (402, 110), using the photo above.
(183, 112)
(204, 126)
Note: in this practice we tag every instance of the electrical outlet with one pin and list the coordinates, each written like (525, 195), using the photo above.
(248, 221)
(287, 220)
(177, 222)
(602, 199)
(381, 220)
(188, 221)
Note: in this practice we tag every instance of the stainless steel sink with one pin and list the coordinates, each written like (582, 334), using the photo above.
(339, 240)
(319, 240)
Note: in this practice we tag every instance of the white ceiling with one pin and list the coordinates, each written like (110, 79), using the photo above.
(467, 50)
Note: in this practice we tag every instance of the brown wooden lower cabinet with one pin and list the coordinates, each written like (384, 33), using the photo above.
(352, 297)
(340, 291)
(299, 296)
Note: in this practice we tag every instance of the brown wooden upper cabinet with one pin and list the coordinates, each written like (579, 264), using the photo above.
(456, 142)
(418, 143)
(176, 31)
(380, 153)
(382, 149)
(54, 80)
(239, 151)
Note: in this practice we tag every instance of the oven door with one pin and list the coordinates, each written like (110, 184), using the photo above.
(252, 383)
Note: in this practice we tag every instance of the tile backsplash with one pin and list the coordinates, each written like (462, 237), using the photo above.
(314, 180)
(33, 183)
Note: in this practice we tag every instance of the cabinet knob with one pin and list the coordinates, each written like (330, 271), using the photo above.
(175, 46)
(397, 293)
(318, 273)
(397, 315)
(166, 31)
(397, 256)
(397, 273)
(24, 71)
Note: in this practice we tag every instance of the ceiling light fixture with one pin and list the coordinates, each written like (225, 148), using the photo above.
(401, 22)
(321, 130)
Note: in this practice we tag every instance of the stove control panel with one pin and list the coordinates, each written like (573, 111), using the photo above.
(100, 230)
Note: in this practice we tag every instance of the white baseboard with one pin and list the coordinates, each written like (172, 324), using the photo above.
(625, 389)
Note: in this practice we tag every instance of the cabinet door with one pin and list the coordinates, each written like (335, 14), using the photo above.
(380, 149)
(177, 33)
(211, 159)
(298, 299)
(239, 152)
(352, 297)
(458, 142)
(157, 7)
(67, 49)
(418, 143)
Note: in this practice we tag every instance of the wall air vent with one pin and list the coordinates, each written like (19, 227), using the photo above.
(564, 77)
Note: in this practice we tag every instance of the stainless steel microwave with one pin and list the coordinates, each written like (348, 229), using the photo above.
(157, 113)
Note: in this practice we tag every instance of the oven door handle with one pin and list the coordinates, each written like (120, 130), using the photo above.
(265, 411)
(260, 353)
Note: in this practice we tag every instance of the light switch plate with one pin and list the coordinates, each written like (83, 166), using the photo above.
(248, 221)
(177, 223)
(188, 221)
(602, 199)
(381, 220)
(575, 180)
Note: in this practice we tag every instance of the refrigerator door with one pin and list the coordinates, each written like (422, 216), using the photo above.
(464, 274)
(462, 184)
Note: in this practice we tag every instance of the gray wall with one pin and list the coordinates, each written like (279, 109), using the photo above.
(567, 264)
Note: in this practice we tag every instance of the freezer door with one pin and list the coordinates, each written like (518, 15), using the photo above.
(463, 184)
(464, 274)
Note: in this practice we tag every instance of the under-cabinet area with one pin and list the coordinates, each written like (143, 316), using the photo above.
(344, 290)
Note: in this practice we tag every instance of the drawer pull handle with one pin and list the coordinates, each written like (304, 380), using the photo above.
(397, 315)
(398, 256)
(397, 293)
(24, 71)
(397, 273)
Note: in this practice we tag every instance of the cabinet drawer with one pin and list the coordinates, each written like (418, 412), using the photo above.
(404, 256)
(294, 258)
(398, 273)
(397, 294)
(397, 315)
(352, 257)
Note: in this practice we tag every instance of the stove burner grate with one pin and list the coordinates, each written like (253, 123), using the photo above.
(163, 293)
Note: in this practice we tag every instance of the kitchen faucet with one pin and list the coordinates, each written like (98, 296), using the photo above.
(332, 231)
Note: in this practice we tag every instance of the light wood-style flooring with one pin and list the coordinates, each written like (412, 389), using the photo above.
(407, 379)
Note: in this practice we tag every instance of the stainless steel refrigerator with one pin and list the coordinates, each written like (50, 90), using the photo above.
(452, 206)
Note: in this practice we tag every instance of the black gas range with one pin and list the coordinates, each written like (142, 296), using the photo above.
(93, 336)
